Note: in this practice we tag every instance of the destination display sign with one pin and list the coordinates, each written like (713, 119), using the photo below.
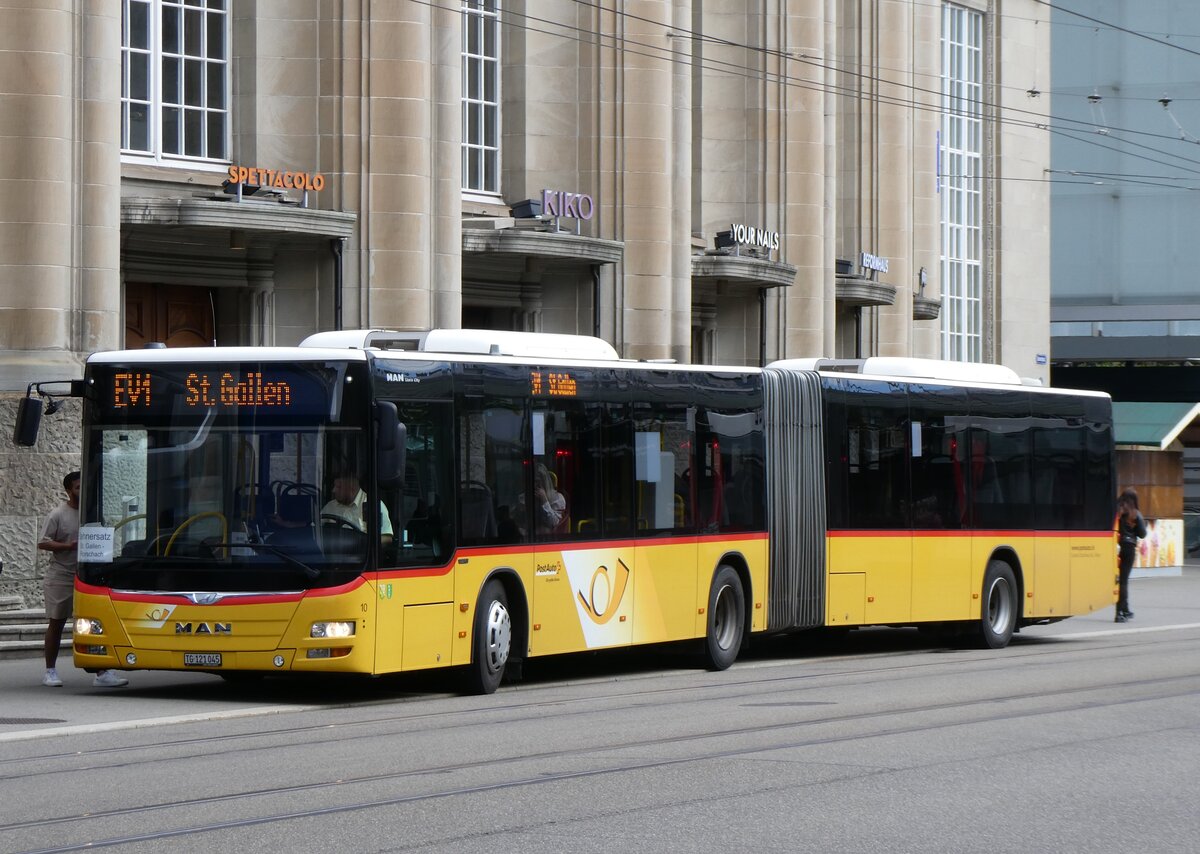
(261, 388)
(203, 389)
(552, 384)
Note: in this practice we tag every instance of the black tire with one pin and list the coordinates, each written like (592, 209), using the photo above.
(492, 640)
(998, 608)
(726, 619)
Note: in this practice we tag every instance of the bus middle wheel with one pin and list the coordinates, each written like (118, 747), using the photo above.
(998, 609)
(726, 619)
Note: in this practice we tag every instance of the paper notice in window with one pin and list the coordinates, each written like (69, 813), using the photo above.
(95, 544)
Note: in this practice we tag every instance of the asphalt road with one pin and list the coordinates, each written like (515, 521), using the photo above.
(1080, 736)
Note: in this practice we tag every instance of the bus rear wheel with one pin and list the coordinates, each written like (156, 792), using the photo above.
(726, 619)
(492, 640)
(998, 610)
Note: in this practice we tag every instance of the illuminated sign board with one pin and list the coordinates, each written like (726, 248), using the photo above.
(552, 384)
(150, 391)
(201, 389)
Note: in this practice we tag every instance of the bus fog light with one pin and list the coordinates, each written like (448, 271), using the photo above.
(130, 658)
(88, 626)
(343, 629)
(323, 652)
(278, 661)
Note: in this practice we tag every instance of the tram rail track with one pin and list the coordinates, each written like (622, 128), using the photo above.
(1015, 706)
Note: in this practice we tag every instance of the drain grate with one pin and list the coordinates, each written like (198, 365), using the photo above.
(11, 721)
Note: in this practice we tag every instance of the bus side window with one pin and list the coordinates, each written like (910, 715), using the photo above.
(937, 456)
(663, 442)
(876, 455)
(416, 507)
(492, 477)
(1001, 442)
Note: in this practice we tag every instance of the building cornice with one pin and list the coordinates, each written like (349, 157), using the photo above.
(759, 272)
(264, 217)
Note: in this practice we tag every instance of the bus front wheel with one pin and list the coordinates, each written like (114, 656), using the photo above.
(492, 640)
(726, 619)
(998, 610)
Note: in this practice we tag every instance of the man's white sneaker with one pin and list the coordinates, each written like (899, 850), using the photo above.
(108, 679)
(50, 679)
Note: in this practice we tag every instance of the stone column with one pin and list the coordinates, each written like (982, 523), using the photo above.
(60, 291)
(926, 214)
(809, 187)
(399, 163)
(893, 40)
(60, 190)
(647, 185)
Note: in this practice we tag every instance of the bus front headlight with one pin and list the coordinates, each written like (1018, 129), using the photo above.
(340, 629)
(88, 626)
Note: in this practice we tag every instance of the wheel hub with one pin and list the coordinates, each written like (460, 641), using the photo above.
(499, 636)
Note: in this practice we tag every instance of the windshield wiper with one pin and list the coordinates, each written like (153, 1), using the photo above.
(309, 571)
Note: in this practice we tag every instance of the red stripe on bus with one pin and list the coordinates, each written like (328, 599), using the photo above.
(532, 549)
(846, 532)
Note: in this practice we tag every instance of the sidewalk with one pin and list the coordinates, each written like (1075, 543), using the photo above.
(1157, 601)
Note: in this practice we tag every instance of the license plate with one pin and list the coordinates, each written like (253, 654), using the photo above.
(202, 659)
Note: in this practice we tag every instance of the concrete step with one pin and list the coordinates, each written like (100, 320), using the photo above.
(27, 640)
(27, 632)
(23, 615)
(10, 650)
(11, 603)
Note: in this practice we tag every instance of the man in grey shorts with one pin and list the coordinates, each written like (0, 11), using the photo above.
(60, 537)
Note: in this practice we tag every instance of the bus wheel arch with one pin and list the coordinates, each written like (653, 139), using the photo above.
(1009, 556)
(497, 631)
(726, 617)
(518, 607)
(1000, 602)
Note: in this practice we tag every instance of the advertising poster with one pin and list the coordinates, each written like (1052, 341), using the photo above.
(1163, 545)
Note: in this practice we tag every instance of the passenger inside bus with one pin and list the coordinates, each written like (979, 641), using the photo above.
(550, 514)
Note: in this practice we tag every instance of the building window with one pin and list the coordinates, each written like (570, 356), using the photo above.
(481, 96)
(962, 184)
(175, 79)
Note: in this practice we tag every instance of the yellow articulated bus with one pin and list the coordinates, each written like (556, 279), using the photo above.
(377, 502)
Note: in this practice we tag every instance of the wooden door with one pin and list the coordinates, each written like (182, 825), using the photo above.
(176, 315)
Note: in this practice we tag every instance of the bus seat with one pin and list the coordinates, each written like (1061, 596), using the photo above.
(478, 513)
(297, 509)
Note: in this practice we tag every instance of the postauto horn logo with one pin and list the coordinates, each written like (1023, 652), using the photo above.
(603, 597)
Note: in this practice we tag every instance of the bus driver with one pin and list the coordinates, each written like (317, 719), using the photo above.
(348, 502)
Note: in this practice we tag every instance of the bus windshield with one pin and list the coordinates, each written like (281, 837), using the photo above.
(227, 477)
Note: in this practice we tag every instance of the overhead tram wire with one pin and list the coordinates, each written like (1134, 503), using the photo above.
(1037, 119)
(1117, 27)
(1040, 121)
(1091, 140)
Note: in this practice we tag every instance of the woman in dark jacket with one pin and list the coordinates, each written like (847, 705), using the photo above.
(1131, 527)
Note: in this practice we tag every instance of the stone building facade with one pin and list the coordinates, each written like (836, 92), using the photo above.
(715, 181)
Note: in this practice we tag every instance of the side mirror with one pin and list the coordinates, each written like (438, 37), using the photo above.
(390, 439)
(29, 410)
(29, 421)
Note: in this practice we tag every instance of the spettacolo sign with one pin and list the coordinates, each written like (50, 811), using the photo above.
(285, 180)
